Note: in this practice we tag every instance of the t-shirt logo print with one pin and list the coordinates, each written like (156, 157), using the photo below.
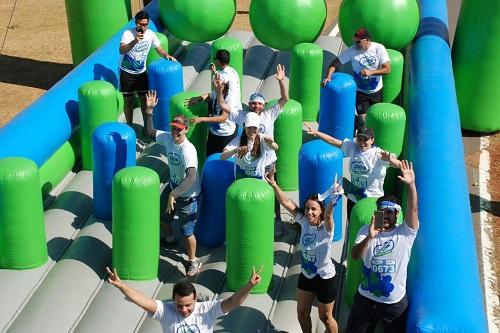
(308, 239)
(173, 159)
(383, 249)
(188, 329)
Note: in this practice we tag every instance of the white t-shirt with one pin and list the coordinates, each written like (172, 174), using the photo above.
(367, 170)
(248, 166)
(385, 263)
(226, 128)
(230, 76)
(201, 320)
(315, 242)
(180, 157)
(373, 58)
(134, 61)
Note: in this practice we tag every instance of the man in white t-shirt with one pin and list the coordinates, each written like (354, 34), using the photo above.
(184, 313)
(385, 251)
(369, 62)
(134, 48)
(184, 186)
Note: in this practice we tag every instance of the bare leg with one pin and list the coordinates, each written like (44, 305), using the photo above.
(304, 304)
(191, 247)
(326, 316)
(128, 108)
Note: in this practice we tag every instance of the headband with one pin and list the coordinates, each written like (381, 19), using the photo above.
(389, 205)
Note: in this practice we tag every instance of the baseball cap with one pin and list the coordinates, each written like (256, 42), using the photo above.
(257, 97)
(365, 132)
(180, 122)
(252, 119)
(362, 33)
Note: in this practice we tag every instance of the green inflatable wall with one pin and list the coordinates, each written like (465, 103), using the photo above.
(475, 65)
(305, 78)
(393, 80)
(235, 49)
(98, 103)
(361, 214)
(93, 22)
(198, 133)
(249, 233)
(392, 23)
(22, 228)
(136, 218)
(56, 167)
(288, 135)
(282, 24)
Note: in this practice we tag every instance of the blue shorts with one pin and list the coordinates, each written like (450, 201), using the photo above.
(186, 210)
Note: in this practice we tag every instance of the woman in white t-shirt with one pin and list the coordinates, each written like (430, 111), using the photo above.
(317, 277)
(252, 150)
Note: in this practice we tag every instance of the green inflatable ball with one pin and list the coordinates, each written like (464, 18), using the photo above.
(198, 21)
(282, 24)
(391, 23)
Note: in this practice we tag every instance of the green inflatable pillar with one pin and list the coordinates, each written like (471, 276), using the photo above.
(305, 78)
(235, 50)
(153, 55)
(198, 133)
(93, 22)
(475, 65)
(249, 233)
(288, 135)
(388, 123)
(136, 218)
(98, 103)
(22, 229)
(393, 80)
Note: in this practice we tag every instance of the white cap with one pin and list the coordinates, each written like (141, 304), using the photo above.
(252, 119)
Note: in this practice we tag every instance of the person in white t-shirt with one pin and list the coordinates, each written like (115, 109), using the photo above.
(134, 48)
(317, 277)
(385, 252)
(367, 164)
(184, 186)
(369, 61)
(184, 313)
(252, 150)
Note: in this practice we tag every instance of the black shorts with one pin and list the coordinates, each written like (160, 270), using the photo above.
(217, 143)
(364, 101)
(324, 289)
(366, 312)
(130, 83)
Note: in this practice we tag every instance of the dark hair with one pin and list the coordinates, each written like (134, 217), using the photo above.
(389, 197)
(141, 15)
(183, 289)
(315, 198)
(256, 144)
(223, 56)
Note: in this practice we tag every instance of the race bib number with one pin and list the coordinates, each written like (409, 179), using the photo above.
(384, 266)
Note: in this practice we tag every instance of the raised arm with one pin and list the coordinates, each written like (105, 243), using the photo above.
(358, 250)
(151, 102)
(280, 76)
(282, 198)
(231, 303)
(393, 161)
(408, 178)
(132, 294)
(271, 143)
(323, 136)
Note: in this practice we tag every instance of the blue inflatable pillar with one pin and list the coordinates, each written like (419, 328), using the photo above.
(217, 176)
(337, 106)
(166, 78)
(318, 164)
(113, 149)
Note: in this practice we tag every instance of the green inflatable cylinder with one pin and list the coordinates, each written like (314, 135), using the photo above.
(249, 233)
(393, 80)
(153, 55)
(197, 133)
(136, 216)
(22, 229)
(475, 65)
(93, 22)
(98, 103)
(305, 77)
(235, 49)
(56, 168)
(361, 214)
(288, 135)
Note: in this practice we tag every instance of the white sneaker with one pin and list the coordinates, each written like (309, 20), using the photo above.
(193, 268)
